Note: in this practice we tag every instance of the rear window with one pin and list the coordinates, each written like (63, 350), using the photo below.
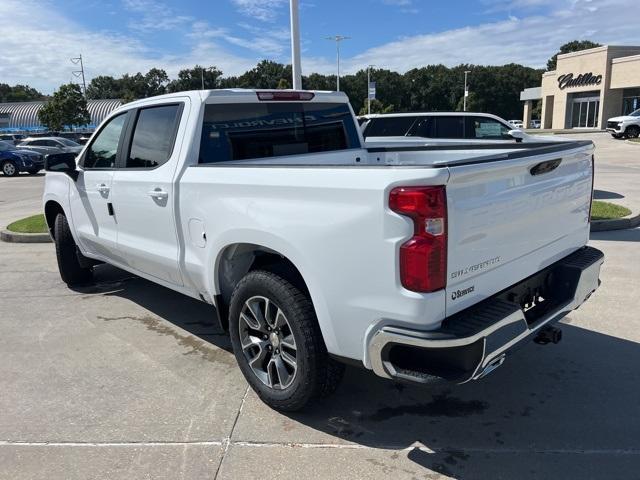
(388, 126)
(257, 130)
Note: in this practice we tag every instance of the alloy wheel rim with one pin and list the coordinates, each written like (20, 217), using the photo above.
(9, 169)
(268, 343)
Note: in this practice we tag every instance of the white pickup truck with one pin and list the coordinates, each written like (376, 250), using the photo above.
(423, 264)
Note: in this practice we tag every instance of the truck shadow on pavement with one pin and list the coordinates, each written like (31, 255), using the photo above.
(559, 411)
(628, 235)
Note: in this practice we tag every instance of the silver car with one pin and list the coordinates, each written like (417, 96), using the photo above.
(47, 145)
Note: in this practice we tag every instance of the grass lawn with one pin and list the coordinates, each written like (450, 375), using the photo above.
(634, 140)
(607, 211)
(33, 224)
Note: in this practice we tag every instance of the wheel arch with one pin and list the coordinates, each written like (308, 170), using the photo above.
(238, 259)
(51, 210)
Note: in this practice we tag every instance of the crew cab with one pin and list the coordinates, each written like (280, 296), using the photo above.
(625, 126)
(422, 264)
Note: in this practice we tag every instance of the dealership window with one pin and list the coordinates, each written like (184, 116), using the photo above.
(630, 100)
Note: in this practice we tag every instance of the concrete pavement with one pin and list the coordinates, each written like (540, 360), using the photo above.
(127, 379)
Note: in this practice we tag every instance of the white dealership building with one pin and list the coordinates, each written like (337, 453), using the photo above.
(586, 88)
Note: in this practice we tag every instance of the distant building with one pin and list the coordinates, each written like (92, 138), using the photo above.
(587, 87)
(23, 116)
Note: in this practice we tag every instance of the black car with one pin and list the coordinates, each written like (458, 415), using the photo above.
(14, 160)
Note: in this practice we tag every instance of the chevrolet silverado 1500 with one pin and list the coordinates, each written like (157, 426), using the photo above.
(421, 264)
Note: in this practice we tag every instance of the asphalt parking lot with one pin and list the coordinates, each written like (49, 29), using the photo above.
(128, 380)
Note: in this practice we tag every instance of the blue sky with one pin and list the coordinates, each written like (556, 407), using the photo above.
(126, 36)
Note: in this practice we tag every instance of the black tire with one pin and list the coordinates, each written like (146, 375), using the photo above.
(632, 131)
(316, 373)
(9, 169)
(615, 135)
(71, 270)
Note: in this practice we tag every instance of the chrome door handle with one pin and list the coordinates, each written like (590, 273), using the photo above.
(158, 194)
(102, 188)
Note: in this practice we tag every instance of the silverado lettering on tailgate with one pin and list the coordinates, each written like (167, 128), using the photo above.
(475, 268)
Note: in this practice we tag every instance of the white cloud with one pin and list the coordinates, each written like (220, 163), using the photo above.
(154, 16)
(265, 10)
(529, 40)
(39, 41)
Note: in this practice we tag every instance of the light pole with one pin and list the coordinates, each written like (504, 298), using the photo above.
(338, 39)
(368, 87)
(295, 46)
(78, 60)
(466, 92)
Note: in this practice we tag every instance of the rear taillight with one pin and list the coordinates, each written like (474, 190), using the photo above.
(285, 95)
(423, 258)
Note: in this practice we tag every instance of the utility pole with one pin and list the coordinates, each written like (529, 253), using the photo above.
(338, 39)
(368, 87)
(78, 60)
(296, 69)
(202, 77)
(466, 91)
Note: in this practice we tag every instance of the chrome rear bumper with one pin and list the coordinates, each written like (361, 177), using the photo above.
(474, 342)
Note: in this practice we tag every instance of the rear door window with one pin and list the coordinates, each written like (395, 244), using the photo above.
(448, 127)
(258, 130)
(389, 126)
(153, 136)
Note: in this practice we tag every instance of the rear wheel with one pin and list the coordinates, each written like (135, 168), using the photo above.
(278, 343)
(632, 131)
(71, 271)
(9, 169)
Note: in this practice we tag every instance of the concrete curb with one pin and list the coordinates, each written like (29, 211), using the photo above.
(14, 237)
(617, 224)
(632, 143)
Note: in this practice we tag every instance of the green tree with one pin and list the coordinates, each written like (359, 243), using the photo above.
(376, 107)
(191, 79)
(18, 93)
(66, 107)
(573, 46)
(283, 84)
(265, 75)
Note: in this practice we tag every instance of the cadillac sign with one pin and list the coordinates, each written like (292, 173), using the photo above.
(582, 80)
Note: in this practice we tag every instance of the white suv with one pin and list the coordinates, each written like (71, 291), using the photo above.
(625, 126)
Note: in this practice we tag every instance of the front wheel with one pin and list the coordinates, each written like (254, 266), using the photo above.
(71, 270)
(9, 169)
(632, 131)
(278, 343)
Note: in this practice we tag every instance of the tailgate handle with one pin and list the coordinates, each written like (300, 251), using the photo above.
(545, 167)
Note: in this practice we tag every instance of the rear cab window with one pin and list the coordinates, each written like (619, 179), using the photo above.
(153, 136)
(245, 131)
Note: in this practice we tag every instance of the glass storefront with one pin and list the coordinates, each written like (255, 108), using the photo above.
(584, 110)
(630, 100)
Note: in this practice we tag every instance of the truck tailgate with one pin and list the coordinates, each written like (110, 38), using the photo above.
(512, 217)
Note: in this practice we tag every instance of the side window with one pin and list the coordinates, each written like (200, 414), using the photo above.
(448, 127)
(37, 143)
(153, 136)
(422, 128)
(388, 126)
(50, 143)
(484, 128)
(104, 148)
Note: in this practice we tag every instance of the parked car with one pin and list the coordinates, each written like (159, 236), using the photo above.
(535, 124)
(625, 125)
(15, 160)
(46, 145)
(436, 128)
(517, 123)
(420, 264)
(12, 138)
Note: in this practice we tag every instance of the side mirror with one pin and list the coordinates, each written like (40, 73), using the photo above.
(62, 163)
(517, 135)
